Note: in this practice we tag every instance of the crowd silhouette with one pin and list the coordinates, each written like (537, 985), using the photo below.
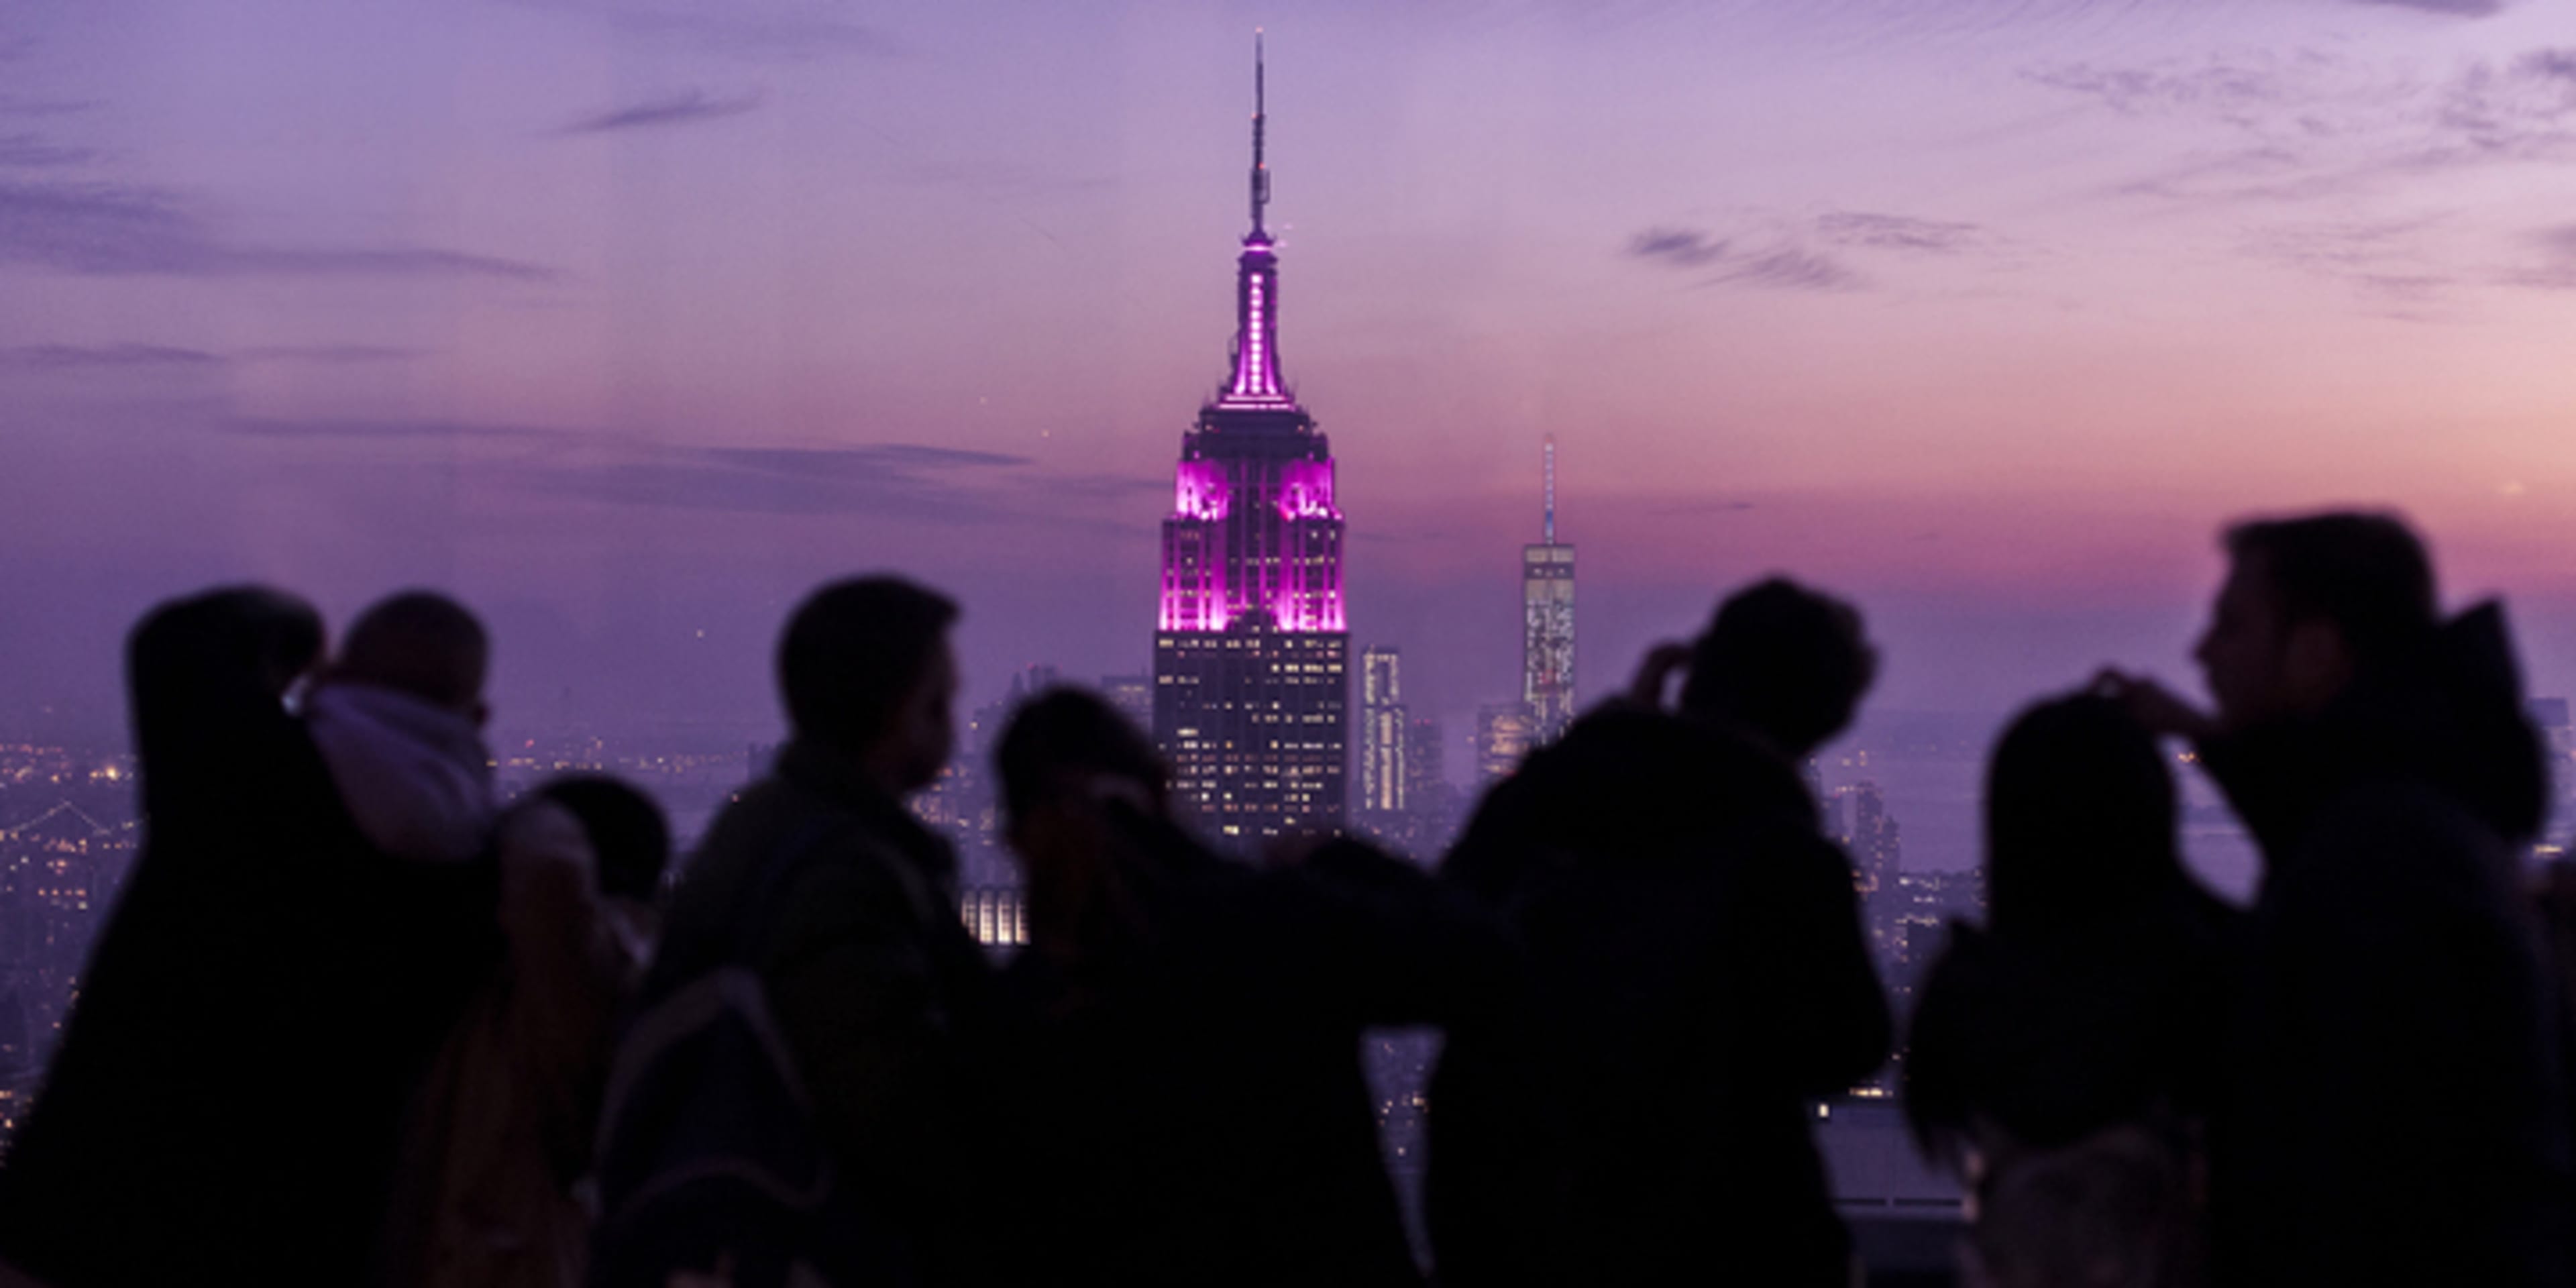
(357, 1020)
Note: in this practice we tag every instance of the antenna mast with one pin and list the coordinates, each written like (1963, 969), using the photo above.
(1260, 172)
(1551, 489)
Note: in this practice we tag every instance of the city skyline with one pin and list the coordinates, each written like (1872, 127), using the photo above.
(631, 322)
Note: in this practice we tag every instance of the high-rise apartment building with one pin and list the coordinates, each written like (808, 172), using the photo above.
(1384, 734)
(1251, 651)
(1547, 621)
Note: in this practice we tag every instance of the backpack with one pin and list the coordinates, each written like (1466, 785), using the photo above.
(709, 1164)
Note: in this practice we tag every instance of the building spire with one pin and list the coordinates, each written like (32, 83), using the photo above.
(1260, 172)
(1551, 489)
(1255, 381)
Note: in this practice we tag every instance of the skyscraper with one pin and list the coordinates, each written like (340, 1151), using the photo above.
(1547, 622)
(1384, 782)
(1251, 652)
(1505, 733)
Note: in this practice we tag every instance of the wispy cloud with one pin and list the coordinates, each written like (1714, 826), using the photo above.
(390, 431)
(683, 108)
(753, 29)
(905, 480)
(2556, 266)
(71, 357)
(2461, 8)
(1681, 247)
(1789, 268)
(874, 458)
(1779, 257)
(22, 105)
(2312, 124)
(127, 229)
(331, 354)
(2351, 248)
(60, 357)
(1896, 232)
(31, 151)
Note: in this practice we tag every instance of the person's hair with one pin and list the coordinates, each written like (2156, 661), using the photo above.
(1067, 730)
(1783, 660)
(2367, 574)
(418, 642)
(629, 837)
(2079, 817)
(853, 651)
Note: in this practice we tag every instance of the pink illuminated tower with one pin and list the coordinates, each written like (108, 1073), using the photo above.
(1251, 653)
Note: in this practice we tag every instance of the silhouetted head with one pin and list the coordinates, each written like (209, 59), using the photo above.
(2079, 816)
(2311, 603)
(1782, 661)
(1069, 763)
(628, 834)
(421, 643)
(865, 669)
(1070, 743)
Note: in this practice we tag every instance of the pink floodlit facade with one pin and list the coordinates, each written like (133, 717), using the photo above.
(1256, 382)
(1253, 528)
(1252, 650)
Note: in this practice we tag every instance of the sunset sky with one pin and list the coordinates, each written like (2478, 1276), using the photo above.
(630, 321)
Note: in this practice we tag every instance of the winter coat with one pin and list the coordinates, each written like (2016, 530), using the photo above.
(226, 1101)
(883, 997)
(501, 1133)
(1193, 1097)
(2397, 1113)
(1698, 978)
(2053, 1036)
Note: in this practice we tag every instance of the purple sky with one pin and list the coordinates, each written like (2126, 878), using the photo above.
(630, 321)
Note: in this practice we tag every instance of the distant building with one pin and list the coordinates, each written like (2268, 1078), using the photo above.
(964, 802)
(1871, 836)
(996, 915)
(1251, 650)
(2550, 715)
(1547, 622)
(1433, 805)
(1505, 732)
(1133, 695)
(1925, 905)
(1425, 761)
(1873, 841)
(1384, 732)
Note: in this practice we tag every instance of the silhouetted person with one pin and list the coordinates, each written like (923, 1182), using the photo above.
(228, 1096)
(869, 971)
(1190, 1062)
(1698, 976)
(2396, 1113)
(502, 1133)
(2067, 1054)
(399, 717)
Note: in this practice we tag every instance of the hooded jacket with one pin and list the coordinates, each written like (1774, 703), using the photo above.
(1697, 977)
(415, 775)
(2397, 1111)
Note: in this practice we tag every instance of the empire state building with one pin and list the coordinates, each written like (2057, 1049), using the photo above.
(1251, 654)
